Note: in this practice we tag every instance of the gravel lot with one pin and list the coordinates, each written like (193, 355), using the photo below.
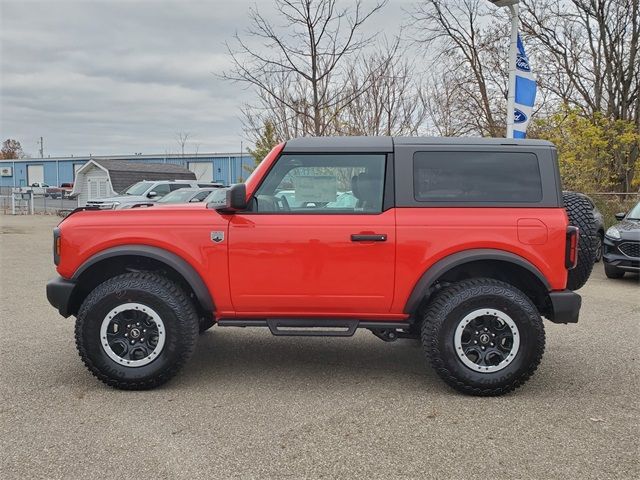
(250, 405)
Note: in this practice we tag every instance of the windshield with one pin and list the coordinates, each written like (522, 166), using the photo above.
(634, 214)
(178, 196)
(138, 188)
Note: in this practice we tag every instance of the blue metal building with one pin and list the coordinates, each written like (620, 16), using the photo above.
(225, 168)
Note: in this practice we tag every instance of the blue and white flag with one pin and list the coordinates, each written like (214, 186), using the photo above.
(525, 93)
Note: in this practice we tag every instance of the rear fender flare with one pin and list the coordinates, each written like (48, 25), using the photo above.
(441, 267)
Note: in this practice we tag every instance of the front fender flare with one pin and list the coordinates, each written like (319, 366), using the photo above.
(191, 276)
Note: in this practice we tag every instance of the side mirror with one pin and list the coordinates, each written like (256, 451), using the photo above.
(152, 194)
(230, 200)
(620, 216)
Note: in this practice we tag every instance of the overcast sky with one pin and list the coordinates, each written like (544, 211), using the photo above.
(118, 77)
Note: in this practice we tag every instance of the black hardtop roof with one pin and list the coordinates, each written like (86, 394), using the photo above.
(385, 144)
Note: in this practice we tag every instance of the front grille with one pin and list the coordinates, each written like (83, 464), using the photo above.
(630, 249)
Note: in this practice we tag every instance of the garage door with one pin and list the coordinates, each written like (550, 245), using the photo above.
(35, 173)
(203, 171)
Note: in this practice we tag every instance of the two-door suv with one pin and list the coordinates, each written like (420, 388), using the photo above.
(462, 243)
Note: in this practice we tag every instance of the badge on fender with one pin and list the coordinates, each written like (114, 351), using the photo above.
(217, 237)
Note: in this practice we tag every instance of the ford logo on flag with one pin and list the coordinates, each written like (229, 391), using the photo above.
(522, 64)
(519, 116)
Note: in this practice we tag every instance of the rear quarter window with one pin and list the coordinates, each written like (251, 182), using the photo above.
(476, 177)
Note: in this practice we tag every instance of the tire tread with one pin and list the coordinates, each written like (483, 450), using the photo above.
(450, 297)
(154, 284)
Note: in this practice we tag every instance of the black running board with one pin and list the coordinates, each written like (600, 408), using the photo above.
(311, 327)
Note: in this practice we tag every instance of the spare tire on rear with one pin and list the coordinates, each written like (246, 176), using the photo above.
(580, 214)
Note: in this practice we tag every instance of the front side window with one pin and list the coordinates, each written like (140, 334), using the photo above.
(309, 183)
(161, 189)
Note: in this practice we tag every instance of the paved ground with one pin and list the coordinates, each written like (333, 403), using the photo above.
(250, 405)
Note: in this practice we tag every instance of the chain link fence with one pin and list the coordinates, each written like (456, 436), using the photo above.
(25, 201)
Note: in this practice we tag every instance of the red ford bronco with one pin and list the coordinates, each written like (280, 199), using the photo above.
(462, 243)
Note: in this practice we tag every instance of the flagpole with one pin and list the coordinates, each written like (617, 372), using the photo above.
(513, 52)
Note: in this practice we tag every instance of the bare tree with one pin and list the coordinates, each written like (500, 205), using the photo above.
(592, 63)
(300, 68)
(473, 49)
(182, 138)
(391, 101)
(592, 49)
(444, 100)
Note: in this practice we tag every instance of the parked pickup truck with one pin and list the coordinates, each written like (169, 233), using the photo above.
(464, 244)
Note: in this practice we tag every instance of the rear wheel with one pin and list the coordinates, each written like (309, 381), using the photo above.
(483, 337)
(136, 330)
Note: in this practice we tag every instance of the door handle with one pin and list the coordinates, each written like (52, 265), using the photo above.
(365, 237)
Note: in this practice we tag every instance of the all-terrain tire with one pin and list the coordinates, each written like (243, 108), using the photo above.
(173, 307)
(446, 313)
(613, 272)
(580, 213)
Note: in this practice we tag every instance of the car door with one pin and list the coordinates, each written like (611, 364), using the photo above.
(299, 250)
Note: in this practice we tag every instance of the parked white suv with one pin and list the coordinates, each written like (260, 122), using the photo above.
(146, 191)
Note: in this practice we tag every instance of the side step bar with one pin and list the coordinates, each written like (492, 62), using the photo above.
(312, 327)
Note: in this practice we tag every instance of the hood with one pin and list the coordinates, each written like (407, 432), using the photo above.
(629, 229)
(183, 206)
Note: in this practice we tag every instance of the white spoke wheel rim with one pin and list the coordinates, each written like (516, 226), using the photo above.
(151, 317)
(463, 349)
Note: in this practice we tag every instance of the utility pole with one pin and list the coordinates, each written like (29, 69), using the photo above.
(41, 148)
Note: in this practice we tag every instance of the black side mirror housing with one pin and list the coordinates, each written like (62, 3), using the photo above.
(231, 199)
(620, 216)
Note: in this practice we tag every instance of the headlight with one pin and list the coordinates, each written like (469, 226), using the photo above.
(613, 232)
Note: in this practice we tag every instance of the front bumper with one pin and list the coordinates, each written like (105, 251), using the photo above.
(59, 291)
(613, 255)
(565, 306)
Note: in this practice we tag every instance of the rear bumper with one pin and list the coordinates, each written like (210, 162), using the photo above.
(59, 292)
(566, 306)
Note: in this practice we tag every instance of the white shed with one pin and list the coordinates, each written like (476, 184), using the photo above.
(92, 183)
(99, 178)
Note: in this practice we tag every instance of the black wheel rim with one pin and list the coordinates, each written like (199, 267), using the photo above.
(486, 340)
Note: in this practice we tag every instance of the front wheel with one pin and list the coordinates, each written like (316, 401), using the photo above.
(599, 247)
(136, 330)
(483, 337)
